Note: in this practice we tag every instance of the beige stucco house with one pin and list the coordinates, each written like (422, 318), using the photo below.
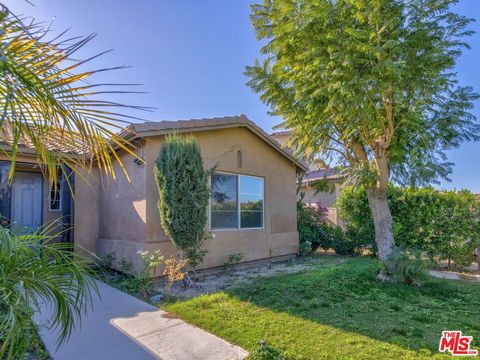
(121, 216)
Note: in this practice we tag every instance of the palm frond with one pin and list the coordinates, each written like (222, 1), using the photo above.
(35, 269)
(49, 104)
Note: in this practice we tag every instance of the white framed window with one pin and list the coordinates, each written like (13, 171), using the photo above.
(55, 199)
(237, 202)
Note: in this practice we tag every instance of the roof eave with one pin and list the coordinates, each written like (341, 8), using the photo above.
(134, 134)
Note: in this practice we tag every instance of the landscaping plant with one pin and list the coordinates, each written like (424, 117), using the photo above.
(315, 232)
(35, 269)
(137, 283)
(151, 261)
(174, 271)
(232, 260)
(183, 194)
(311, 225)
(443, 225)
(370, 85)
(407, 266)
(266, 352)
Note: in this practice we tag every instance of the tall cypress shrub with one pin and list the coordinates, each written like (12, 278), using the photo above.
(183, 192)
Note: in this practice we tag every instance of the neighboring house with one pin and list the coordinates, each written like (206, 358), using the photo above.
(122, 218)
(328, 198)
(318, 171)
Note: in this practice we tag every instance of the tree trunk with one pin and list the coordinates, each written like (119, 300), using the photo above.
(377, 200)
(382, 217)
(382, 220)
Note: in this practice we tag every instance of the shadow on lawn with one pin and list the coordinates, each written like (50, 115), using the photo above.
(348, 296)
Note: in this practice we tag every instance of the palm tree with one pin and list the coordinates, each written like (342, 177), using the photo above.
(48, 104)
(35, 269)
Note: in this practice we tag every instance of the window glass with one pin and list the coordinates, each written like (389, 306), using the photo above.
(237, 202)
(224, 205)
(251, 202)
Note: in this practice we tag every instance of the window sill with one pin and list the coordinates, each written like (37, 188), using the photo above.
(245, 229)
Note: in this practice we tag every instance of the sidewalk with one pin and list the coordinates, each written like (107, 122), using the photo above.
(122, 327)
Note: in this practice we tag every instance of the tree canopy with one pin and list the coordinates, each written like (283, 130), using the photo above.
(359, 76)
(370, 85)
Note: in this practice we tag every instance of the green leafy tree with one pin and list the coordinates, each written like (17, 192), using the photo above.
(369, 84)
(183, 194)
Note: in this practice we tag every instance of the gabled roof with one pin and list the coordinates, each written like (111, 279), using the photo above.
(141, 130)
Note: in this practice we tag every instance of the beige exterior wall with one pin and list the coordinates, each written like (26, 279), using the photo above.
(121, 216)
(122, 211)
(122, 203)
(87, 211)
(281, 138)
(327, 199)
(133, 223)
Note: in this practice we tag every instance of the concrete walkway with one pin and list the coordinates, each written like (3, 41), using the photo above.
(122, 327)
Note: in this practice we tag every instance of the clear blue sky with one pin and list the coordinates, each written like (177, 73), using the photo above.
(190, 55)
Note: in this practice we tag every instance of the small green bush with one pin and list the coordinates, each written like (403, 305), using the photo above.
(137, 283)
(342, 244)
(266, 353)
(125, 266)
(315, 232)
(105, 261)
(443, 225)
(233, 259)
(406, 266)
(311, 231)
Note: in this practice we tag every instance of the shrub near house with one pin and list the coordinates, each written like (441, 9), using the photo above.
(444, 225)
(315, 232)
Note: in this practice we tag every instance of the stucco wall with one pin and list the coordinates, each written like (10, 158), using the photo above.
(122, 210)
(133, 223)
(326, 198)
(87, 210)
(219, 148)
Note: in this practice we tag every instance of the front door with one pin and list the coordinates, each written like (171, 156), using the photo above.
(26, 202)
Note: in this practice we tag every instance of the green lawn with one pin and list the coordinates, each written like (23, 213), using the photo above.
(338, 311)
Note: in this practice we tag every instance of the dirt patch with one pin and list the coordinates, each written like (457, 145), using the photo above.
(452, 275)
(216, 282)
